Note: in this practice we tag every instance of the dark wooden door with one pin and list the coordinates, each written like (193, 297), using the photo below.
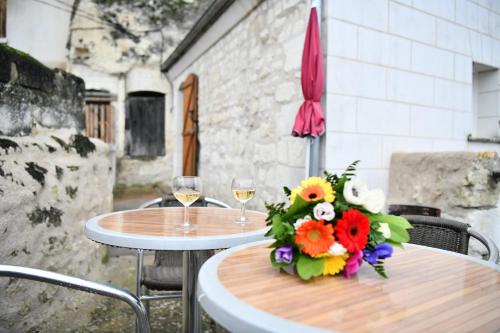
(3, 18)
(145, 125)
(190, 128)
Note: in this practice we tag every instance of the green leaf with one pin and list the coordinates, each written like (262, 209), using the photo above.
(276, 226)
(398, 226)
(287, 191)
(395, 220)
(298, 205)
(308, 267)
(379, 268)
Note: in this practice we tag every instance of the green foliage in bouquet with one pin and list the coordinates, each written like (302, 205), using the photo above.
(332, 225)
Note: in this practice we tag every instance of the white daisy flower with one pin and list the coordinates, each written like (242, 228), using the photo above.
(301, 221)
(337, 249)
(374, 201)
(355, 191)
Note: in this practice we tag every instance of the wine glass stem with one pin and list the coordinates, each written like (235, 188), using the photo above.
(186, 220)
(243, 218)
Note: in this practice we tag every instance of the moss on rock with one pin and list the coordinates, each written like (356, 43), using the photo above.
(50, 148)
(71, 191)
(82, 144)
(6, 144)
(37, 172)
(59, 172)
(51, 216)
(61, 142)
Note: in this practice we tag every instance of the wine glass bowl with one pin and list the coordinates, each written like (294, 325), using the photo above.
(186, 189)
(243, 190)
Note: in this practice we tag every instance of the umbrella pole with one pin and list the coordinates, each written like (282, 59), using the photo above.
(312, 157)
(313, 144)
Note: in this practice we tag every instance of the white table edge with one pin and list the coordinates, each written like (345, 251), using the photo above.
(236, 315)
(136, 241)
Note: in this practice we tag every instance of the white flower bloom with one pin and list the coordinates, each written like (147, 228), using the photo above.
(337, 249)
(324, 211)
(299, 222)
(375, 201)
(385, 230)
(355, 191)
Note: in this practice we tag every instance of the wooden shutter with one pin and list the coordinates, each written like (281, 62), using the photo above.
(3, 18)
(99, 118)
(190, 129)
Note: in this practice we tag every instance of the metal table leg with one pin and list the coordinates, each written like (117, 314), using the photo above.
(191, 315)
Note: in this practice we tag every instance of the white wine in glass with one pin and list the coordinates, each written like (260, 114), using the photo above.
(187, 189)
(243, 191)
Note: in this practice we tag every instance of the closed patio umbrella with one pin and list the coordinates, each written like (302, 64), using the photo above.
(310, 121)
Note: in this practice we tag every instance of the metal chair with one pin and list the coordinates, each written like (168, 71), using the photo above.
(166, 272)
(448, 235)
(82, 285)
(397, 209)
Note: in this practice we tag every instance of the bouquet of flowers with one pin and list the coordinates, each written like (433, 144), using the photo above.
(332, 225)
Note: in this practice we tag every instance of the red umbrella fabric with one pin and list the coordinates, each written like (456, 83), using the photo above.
(310, 120)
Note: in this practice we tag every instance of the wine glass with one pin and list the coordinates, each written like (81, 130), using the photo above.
(243, 191)
(187, 189)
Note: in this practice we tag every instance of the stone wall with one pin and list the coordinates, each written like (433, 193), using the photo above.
(461, 184)
(32, 95)
(50, 184)
(249, 94)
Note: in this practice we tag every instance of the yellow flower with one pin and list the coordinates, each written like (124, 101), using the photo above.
(314, 189)
(334, 264)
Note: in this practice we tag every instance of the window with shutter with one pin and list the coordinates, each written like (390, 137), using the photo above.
(99, 115)
(145, 124)
(189, 90)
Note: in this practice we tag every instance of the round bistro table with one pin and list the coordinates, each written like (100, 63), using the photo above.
(428, 290)
(154, 229)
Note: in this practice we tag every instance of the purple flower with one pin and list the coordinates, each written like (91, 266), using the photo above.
(381, 251)
(352, 264)
(284, 254)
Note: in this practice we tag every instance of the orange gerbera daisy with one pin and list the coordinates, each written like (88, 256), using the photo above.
(315, 237)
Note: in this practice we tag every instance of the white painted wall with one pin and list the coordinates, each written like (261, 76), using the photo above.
(39, 29)
(399, 78)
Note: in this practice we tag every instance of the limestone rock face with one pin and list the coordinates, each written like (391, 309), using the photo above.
(33, 95)
(112, 36)
(451, 181)
(50, 184)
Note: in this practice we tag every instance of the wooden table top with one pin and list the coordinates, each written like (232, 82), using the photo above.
(135, 228)
(428, 290)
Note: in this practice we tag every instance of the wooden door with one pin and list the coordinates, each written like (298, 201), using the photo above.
(3, 18)
(189, 89)
(146, 124)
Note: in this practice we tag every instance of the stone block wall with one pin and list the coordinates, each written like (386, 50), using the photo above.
(400, 78)
(463, 185)
(32, 95)
(50, 184)
(249, 94)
